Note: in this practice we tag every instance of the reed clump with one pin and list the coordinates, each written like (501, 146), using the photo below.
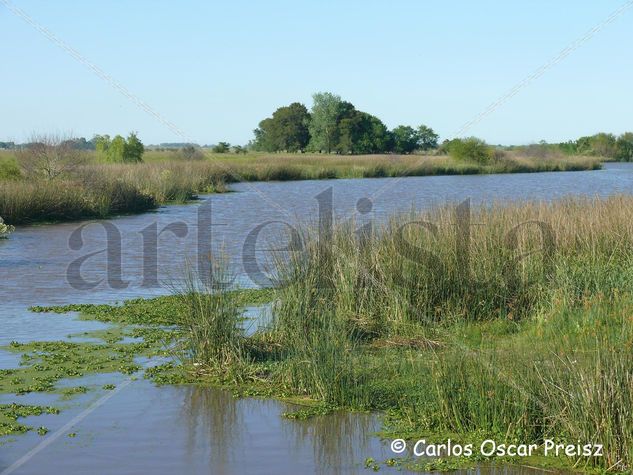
(509, 322)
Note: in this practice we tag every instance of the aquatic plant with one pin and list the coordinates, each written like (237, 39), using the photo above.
(510, 343)
(5, 229)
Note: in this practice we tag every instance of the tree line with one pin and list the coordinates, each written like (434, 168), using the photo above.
(335, 126)
(606, 145)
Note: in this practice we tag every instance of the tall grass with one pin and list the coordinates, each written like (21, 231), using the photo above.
(64, 200)
(512, 343)
(100, 190)
(212, 323)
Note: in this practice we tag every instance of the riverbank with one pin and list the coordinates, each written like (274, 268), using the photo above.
(101, 191)
(446, 339)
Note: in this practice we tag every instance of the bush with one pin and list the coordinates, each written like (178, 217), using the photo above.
(472, 149)
(9, 170)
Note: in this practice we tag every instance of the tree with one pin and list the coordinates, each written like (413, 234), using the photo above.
(221, 147)
(133, 149)
(361, 133)
(118, 149)
(405, 139)
(239, 149)
(325, 114)
(287, 130)
(102, 142)
(49, 156)
(427, 138)
(624, 147)
(601, 145)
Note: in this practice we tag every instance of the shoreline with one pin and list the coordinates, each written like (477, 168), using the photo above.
(123, 190)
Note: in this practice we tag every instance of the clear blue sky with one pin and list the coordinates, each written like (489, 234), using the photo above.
(216, 69)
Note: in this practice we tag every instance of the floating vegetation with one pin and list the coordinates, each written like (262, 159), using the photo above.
(5, 229)
(152, 324)
(10, 413)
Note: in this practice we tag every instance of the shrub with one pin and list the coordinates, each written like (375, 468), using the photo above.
(472, 149)
(9, 170)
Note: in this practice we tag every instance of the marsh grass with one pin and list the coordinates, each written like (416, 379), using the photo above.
(212, 322)
(521, 342)
(98, 190)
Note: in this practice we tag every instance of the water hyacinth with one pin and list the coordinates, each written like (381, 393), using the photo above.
(5, 229)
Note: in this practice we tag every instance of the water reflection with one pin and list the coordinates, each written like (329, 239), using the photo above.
(336, 439)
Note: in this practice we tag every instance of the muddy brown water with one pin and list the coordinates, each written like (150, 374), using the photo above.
(142, 428)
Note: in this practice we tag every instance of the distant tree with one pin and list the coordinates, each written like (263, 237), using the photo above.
(470, 149)
(287, 130)
(118, 149)
(362, 133)
(405, 139)
(624, 147)
(427, 138)
(81, 143)
(221, 147)
(133, 149)
(601, 145)
(238, 149)
(49, 156)
(325, 115)
(191, 152)
(102, 143)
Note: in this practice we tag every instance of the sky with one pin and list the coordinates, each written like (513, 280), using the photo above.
(214, 69)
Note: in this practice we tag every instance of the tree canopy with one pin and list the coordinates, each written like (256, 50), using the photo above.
(335, 125)
(119, 149)
(286, 130)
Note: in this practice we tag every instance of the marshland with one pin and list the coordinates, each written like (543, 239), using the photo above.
(92, 187)
(307, 237)
(469, 307)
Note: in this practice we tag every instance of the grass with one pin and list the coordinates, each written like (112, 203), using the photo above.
(477, 348)
(98, 190)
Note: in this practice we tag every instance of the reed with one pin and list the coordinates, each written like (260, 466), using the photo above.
(100, 190)
(510, 344)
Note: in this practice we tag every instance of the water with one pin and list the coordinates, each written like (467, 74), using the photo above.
(194, 430)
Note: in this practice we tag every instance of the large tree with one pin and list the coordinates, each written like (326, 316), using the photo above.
(405, 139)
(286, 130)
(325, 115)
(624, 146)
(360, 132)
(427, 138)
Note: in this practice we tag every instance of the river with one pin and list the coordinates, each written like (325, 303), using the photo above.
(143, 428)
